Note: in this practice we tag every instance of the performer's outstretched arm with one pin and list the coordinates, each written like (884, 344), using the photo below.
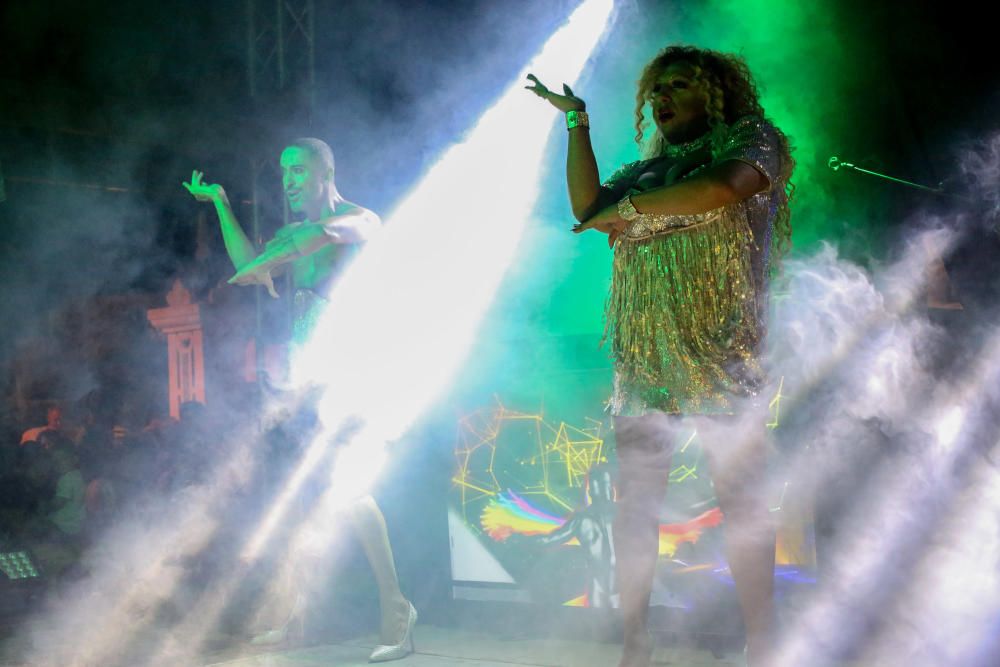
(238, 246)
(586, 196)
(720, 185)
(350, 224)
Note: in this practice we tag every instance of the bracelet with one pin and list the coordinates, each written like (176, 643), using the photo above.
(626, 209)
(648, 225)
(576, 118)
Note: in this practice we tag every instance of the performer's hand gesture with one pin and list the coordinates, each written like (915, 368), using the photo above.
(279, 251)
(203, 191)
(606, 221)
(256, 273)
(566, 102)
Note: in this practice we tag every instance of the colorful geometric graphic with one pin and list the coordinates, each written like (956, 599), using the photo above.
(551, 486)
(508, 514)
(540, 459)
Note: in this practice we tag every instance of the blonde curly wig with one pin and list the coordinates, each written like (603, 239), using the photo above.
(731, 94)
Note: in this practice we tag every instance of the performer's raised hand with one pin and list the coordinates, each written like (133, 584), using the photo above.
(203, 191)
(565, 102)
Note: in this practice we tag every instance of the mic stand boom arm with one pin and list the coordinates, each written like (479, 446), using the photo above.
(837, 164)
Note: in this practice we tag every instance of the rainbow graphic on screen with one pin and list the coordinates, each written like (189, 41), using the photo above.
(509, 513)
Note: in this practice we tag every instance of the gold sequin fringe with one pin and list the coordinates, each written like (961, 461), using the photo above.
(681, 317)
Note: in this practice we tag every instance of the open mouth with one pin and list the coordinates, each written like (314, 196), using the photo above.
(665, 115)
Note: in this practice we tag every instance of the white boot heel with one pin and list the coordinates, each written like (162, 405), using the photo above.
(385, 653)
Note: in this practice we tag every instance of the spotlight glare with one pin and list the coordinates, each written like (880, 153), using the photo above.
(404, 315)
(948, 426)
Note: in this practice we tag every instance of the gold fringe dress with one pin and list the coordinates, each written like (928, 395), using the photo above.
(685, 315)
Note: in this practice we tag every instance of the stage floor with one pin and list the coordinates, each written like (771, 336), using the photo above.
(449, 647)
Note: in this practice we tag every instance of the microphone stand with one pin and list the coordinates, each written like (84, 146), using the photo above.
(837, 164)
(939, 273)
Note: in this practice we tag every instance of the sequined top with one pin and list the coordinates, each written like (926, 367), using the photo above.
(685, 313)
(312, 276)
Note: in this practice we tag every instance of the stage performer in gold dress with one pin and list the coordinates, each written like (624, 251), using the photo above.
(695, 228)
